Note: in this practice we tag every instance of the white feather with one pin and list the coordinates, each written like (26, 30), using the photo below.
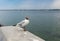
(23, 23)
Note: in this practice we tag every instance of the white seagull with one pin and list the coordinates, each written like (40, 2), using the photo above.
(23, 23)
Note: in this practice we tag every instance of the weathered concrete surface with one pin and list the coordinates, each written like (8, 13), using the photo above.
(2, 37)
(12, 33)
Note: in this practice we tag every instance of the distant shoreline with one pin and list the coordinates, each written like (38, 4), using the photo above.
(31, 10)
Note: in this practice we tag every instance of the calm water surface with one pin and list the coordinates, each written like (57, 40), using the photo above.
(45, 24)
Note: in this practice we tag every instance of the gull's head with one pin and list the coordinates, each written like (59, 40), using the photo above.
(27, 17)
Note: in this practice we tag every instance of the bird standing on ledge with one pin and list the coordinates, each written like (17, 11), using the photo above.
(24, 23)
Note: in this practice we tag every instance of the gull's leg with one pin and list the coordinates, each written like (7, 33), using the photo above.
(24, 28)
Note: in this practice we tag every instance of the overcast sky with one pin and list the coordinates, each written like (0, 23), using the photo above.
(29, 4)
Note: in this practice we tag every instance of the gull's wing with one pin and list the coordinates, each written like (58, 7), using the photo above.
(20, 23)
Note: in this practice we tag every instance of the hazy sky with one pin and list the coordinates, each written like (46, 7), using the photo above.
(29, 4)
